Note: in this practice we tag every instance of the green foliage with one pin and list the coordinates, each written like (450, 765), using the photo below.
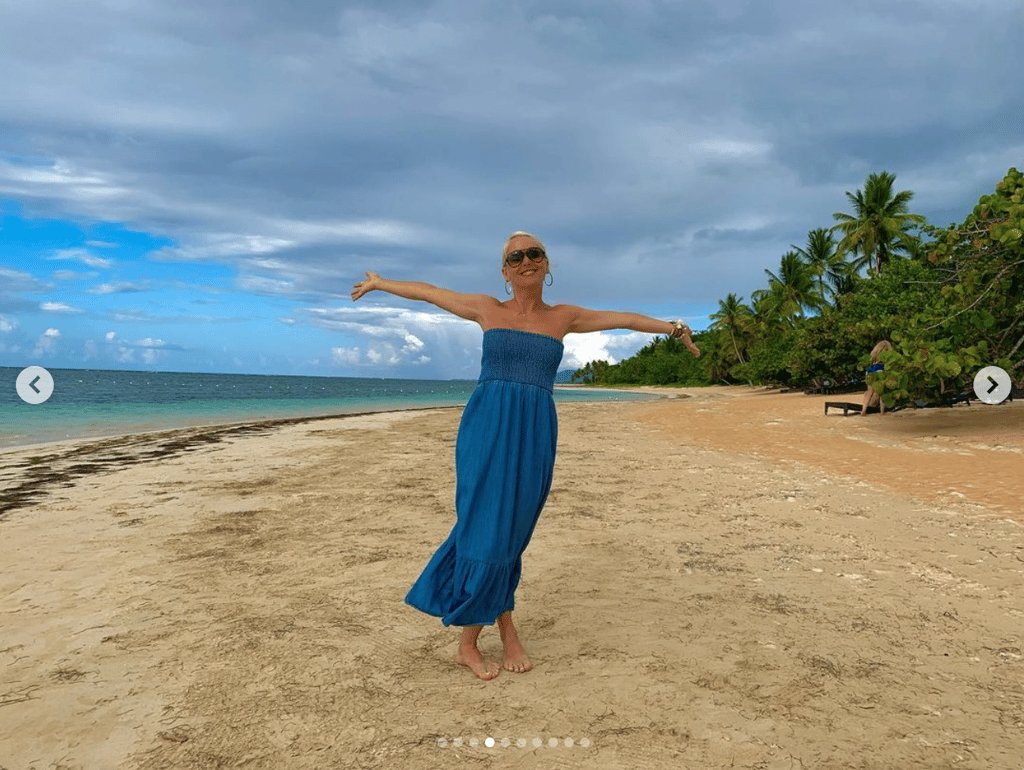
(769, 361)
(880, 224)
(951, 304)
(825, 350)
(975, 315)
(734, 318)
(593, 372)
(664, 361)
(795, 288)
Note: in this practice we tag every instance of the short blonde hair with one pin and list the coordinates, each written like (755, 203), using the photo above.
(517, 234)
(883, 345)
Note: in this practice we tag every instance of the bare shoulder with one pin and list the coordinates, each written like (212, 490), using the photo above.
(491, 309)
(567, 312)
(489, 302)
(472, 307)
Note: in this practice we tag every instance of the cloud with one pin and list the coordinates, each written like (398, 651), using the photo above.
(601, 346)
(395, 337)
(345, 356)
(666, 152)
(120, 287)
(47, 343)
(72, 275)
(85, 257)
(147, 350)
(17, 281)
(57, 307)
(7, 325)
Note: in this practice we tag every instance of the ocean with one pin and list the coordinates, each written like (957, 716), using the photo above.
(92, 403)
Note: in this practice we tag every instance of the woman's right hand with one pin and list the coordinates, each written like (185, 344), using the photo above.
(372, 282)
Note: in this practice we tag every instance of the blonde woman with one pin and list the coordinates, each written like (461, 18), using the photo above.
(871, 398)
(505, 450)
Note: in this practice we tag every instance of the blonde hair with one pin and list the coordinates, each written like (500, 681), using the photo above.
(883, 345)
(516, 234)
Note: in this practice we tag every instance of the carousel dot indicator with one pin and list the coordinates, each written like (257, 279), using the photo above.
(474, 742)
(568, 743)
(536, 743)
(505, 742)
(488, 742)
(521, 742)
(585, 742)
(457, 742)
(552, 742)
(442, 742)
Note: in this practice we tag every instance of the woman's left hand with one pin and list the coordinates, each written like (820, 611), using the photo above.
(685, 339)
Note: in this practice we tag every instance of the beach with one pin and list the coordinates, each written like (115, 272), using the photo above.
(725, 578)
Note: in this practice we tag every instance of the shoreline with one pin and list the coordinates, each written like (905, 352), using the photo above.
(64, 462)
(959, 431)
(216, 423)
(271, 422)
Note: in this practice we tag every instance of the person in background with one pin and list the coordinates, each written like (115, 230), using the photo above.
(871, 397)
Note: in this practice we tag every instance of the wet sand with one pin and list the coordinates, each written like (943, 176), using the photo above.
(731, 579)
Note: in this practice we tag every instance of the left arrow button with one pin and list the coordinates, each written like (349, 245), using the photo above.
(34, 385)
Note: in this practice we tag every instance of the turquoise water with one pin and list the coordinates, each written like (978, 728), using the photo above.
(90, 403)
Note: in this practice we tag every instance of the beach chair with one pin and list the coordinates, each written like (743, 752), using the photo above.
(849, 406)
(964, 395)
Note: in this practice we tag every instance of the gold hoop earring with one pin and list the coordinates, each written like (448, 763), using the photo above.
(548, 282)
(508, 288)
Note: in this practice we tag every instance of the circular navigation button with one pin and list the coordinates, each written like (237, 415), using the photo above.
(34, 384)
(992, 385)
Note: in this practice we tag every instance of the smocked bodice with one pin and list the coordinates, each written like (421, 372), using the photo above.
(517, 356)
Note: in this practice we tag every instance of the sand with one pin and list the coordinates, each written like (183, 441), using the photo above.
(728, 580)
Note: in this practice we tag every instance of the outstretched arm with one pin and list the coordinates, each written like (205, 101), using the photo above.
(585, 320)
(468, 306)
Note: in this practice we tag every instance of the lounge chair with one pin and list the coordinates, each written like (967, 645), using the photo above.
(849, 406)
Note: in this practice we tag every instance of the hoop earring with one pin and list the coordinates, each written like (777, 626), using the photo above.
(508, 288)
(549, 279)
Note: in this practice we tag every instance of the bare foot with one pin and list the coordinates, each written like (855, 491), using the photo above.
(515, 659)
(471, 658)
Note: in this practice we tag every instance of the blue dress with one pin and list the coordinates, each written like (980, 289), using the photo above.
(504, 459)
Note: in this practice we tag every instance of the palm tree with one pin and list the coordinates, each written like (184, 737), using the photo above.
(734, 316)
(827, 264)
(764, 311)
(794, 288)
(880, 223)
(844, 281)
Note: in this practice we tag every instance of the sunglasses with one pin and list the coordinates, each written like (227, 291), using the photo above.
(515, 258)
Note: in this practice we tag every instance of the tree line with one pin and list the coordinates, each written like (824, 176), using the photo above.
(951, 300)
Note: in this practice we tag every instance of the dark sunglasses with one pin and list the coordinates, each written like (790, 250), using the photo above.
(515, 258)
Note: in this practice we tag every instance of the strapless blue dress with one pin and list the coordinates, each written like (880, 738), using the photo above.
(504, 459)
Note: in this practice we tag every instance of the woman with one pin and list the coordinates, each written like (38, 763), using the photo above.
(505, 451)
(871, 398)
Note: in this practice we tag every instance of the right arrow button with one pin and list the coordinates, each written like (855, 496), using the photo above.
(992, 385)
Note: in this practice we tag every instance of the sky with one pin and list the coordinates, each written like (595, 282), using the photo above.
(196, 186)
